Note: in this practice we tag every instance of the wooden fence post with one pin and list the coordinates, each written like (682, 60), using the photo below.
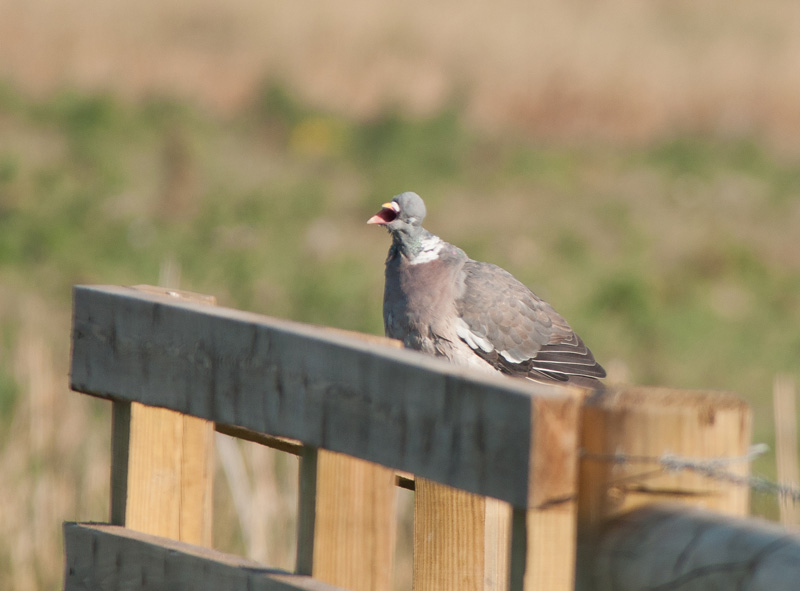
(551, 537)
(162, 465)
(465, 542)
(460, 540)
(625, 434)
(346, 527)
(786, 450)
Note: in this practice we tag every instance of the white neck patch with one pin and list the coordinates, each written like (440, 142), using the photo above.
(430, 251)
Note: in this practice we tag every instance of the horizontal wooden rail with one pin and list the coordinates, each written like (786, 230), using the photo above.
(113, 558)
(487, 435)
(684, 549)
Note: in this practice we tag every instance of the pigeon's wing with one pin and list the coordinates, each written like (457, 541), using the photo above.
(506, 324)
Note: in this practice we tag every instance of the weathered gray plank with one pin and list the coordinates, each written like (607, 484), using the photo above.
(325, 389)
(111, 558)
(683, 549)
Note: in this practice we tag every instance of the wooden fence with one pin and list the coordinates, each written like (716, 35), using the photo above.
(515, 483)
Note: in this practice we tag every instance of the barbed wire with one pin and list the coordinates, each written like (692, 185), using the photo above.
(714, 468)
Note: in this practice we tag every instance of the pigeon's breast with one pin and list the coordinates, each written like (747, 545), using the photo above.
(419, 300)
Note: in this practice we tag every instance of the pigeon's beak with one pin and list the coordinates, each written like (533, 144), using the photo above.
(386, 215)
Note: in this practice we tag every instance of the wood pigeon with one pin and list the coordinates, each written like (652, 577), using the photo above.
(439, 301)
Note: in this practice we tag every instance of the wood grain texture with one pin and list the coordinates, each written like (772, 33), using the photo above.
(551, 547)
(461, 540)
(329, 390)
(197, 481)
(684, 549)
(169, 475)
(354, 524)
(112, 558)
(550, 544)
(784, 404)
(641, 423)
(644, 424)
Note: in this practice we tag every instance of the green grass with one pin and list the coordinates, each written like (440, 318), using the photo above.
(265, 209)
(677, 260)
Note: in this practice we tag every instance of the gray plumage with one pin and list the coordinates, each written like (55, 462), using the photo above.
(439, 301)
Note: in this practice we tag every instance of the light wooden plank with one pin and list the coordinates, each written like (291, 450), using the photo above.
(111, 558)
(169, 475)
(197, 481)
(461, 540)
(354, 522)
(335, 391)
(448, 538)
(678, 547)
(784, 407)
(550, 544)
(161, 472)
(550, 547)
(643, 424)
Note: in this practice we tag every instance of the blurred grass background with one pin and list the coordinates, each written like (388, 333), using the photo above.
(634, 163)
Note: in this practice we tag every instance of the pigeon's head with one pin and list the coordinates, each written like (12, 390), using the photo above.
(403, 214)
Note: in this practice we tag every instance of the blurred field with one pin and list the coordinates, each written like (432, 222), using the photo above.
(632, 162)
(574, 69)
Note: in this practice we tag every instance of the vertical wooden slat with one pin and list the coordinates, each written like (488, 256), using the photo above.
(551, 547)
(552, 512)
(161, 473)
(347, 521)
(161, 478)
(461, 540)
(197, 481)
(497, 534)
(786, 450)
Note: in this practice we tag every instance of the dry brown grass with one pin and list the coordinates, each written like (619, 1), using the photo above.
(53, 459)
(623, 70)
